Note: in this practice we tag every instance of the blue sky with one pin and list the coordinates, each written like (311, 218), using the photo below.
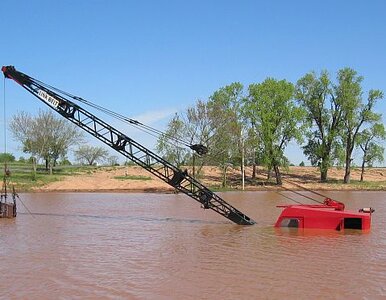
(150, 59)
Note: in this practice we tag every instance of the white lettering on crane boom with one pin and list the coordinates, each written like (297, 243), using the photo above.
(48, 98)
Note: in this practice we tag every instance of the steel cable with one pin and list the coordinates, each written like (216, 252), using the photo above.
(143, 127)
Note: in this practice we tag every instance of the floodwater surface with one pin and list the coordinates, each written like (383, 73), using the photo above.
(157, 246)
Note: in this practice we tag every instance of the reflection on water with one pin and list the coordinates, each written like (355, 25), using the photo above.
(149, 246)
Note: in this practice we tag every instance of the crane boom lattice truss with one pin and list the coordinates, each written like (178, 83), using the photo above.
(129, 148)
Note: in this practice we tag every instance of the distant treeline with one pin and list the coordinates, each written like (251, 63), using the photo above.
(240, 126)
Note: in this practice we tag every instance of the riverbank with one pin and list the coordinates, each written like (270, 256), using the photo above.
(136, 179)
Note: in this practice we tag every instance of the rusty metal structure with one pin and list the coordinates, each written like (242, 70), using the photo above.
(7, 199)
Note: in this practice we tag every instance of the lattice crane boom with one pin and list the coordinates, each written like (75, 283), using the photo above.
(129, 148)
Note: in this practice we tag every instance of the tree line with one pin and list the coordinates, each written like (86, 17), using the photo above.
(328, 118)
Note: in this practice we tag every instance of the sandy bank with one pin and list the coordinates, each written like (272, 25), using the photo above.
(104, 180)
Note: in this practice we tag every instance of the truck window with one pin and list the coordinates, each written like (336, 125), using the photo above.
(290, 222)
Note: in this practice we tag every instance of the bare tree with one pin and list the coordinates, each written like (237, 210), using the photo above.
(112, 160)
(169, 145)
(44, 136)
(193, 126)
(369, 141)
(90, 154)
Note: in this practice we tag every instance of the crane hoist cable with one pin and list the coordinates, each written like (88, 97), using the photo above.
(198, 148)
(300, 194)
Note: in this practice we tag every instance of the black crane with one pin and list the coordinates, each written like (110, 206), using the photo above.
(180, 180)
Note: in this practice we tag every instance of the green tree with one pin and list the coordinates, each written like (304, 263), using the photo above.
(271, 110)
(64, 162)
(90, 154)
(368, 141)
(252, 150)
(324, 117)
(224, 108)
(6, 157)
(355, 113)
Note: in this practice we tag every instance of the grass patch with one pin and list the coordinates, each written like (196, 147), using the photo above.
(24, 179)
(360, 185)
(219, 188)
(24, 182)
(133, 177)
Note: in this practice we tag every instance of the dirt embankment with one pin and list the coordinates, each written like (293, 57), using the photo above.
(120, 179)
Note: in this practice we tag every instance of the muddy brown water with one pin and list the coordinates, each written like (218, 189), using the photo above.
(157, 246)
